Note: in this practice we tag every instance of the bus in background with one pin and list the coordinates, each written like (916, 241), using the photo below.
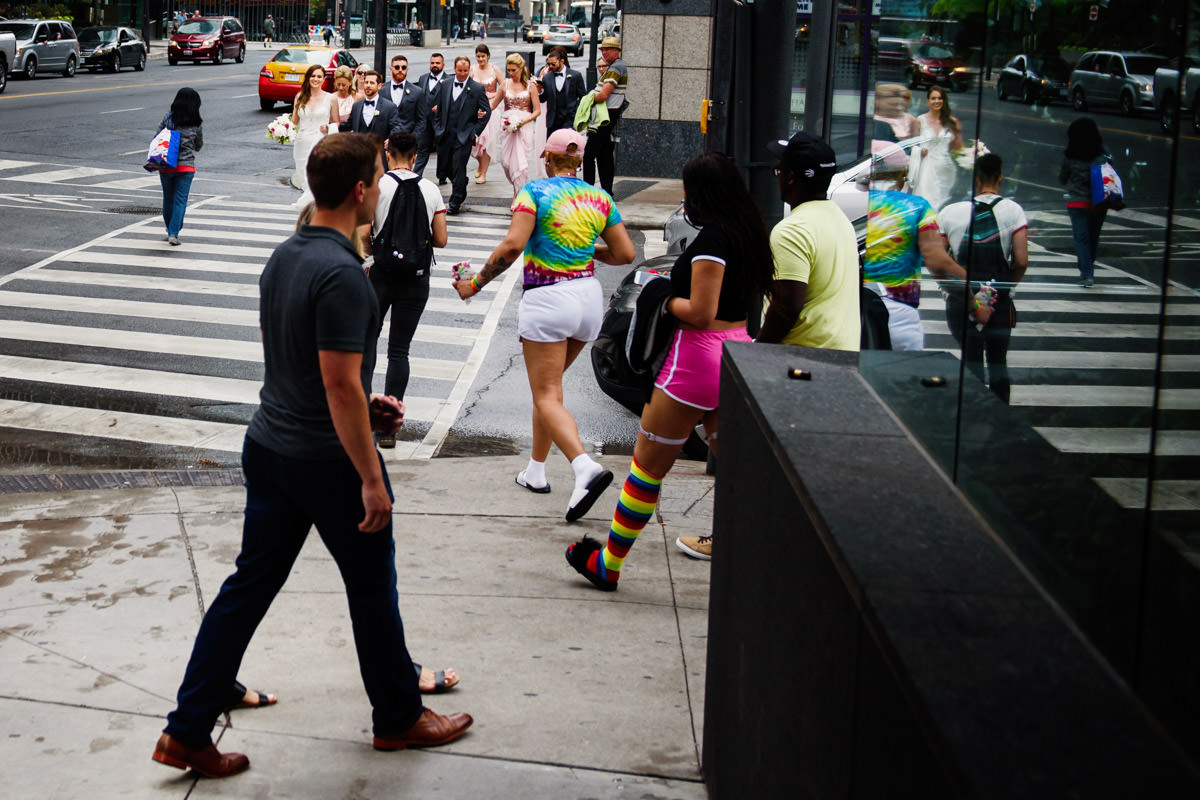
(581, 17)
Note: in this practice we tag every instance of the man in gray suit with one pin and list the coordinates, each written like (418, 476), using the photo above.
(431, 85)
(404, 94)
(462, 112)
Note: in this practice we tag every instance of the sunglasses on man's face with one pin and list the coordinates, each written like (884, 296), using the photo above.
(399, 67)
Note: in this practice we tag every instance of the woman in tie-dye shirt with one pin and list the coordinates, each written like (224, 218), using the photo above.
(554, 229)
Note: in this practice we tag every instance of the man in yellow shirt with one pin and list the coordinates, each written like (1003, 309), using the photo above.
(815, 293)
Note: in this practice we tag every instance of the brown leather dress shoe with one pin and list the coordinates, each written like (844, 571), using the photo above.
(431, 730)
(205, 760)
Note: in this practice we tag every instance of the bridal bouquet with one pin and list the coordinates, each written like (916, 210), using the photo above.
(965, 158)
(281, 129)
(511, 121)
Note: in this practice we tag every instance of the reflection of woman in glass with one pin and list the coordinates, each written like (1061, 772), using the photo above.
(1084, 149)
(934, 179)
(893, 122)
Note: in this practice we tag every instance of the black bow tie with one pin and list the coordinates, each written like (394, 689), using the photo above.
(369, 102)
(458, 85)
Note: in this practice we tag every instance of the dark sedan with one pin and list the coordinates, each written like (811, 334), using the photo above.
(109, 48)
(1034, 79)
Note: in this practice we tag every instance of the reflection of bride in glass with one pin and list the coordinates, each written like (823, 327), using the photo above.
(932, 175)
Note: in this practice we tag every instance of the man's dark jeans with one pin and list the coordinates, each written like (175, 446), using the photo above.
(407, 299)
(990, 343)
(284, 498)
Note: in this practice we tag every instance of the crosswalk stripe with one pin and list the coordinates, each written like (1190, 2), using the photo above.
(1090, 359)
(1103, 396)
(1127, 441)
(12, 164)
(60, 175)
(174, 384)
(1169, 495)
(174, 262)
(185, 285)
(122, 425)
(128, 183)
(1081, 329)
(125, 243)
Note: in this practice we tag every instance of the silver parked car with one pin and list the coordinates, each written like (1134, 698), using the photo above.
(565, 36)
(1114, 78)
(43, 45)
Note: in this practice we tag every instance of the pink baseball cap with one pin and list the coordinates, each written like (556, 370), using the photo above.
(566, 142)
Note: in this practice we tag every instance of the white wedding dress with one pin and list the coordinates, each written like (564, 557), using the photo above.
(308, 132)
(936, 170)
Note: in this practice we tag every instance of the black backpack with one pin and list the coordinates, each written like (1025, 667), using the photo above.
(403, 248)
(981, 251)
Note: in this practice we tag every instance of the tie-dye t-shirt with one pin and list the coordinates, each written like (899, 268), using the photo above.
(893, 254)
(569, 215)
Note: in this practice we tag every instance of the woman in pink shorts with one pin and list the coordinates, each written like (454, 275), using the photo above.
(718, 281)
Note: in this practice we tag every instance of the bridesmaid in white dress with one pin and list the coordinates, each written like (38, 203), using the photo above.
(936, 172)
(311, 114)
(491, 77)
(521, 109)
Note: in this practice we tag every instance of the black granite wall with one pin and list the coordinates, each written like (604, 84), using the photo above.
(870, 637)
(657, 148)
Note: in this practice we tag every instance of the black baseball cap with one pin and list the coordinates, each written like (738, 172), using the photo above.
(804, 154)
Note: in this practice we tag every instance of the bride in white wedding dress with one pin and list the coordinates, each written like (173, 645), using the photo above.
(312, 114)
(936, 170)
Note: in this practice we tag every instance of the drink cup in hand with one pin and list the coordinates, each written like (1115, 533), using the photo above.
(462, 271)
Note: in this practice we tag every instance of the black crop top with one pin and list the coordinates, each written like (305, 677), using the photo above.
(712, 245)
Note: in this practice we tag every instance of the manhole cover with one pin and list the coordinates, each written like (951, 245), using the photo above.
(133, 210)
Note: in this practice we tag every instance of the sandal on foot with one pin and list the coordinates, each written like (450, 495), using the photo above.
(439, 681)
(237, 698)
(535, 489)
(592, 492)
(578, 555)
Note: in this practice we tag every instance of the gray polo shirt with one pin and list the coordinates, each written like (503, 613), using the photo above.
(313, 296)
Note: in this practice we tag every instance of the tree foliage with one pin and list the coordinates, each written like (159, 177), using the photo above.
(961, 9)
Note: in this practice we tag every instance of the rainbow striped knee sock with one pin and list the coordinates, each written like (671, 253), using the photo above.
(639, 496)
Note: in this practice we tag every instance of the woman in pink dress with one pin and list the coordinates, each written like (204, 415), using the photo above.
(343, 94)
(521, 108)
(491, 77)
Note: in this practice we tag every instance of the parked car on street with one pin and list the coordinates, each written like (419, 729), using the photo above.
(8, 57)
(1034, 79)
(110, 48)
(43, 45)
(208, 39)
(1169, 85)
(534, 34)
(1115, 78)
(279, 81)
(919, 63)
(565, 36)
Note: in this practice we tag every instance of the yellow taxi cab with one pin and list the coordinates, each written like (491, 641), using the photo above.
(280, 80)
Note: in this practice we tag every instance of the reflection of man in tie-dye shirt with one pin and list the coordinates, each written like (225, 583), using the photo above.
(903, 236)
(569, 214)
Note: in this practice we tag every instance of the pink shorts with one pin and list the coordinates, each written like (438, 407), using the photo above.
(692, 372)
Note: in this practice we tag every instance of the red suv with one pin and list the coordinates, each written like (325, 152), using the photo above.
(921, 63)
(208, 39)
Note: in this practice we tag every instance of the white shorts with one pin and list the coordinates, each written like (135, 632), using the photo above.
(567, 310)
(904, 326)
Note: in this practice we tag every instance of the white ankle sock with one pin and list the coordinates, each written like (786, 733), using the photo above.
(585, 468)
(535, 473)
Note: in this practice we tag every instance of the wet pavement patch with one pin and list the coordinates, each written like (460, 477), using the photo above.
(71, 482)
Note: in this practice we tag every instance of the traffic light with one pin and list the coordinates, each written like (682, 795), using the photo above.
(512, 5)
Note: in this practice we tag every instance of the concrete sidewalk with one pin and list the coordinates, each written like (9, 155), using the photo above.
(575, 693)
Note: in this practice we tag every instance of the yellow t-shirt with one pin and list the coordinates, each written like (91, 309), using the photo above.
(816, 245)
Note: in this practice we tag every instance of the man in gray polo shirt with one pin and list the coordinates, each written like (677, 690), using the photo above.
(309, 459)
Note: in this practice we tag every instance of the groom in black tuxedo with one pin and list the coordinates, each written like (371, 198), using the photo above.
(373, 114)
(431, 85)
(462, 114)
(561, 89)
